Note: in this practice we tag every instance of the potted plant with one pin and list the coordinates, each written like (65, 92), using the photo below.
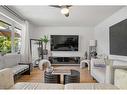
(45, 41)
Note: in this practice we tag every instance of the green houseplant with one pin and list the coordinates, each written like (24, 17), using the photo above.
(5, 44)
(45, 41)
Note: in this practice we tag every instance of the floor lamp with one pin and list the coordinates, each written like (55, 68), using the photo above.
(92, 48)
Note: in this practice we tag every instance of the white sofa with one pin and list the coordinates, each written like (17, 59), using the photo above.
(101, 74)
(6, 78)
(11, 61)
(120, 79)
(106, 74)
(71, 86)
(7, 82)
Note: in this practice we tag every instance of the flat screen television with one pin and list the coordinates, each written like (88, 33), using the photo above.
(64, 42)
(118, 38)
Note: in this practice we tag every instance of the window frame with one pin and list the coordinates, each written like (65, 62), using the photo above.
(15, 36)
(13, 26)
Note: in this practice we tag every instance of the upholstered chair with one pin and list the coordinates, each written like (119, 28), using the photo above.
(51, 78)
(74, 77)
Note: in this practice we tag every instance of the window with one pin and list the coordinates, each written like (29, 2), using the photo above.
(10, 41)
(5, 37)
(17, 39)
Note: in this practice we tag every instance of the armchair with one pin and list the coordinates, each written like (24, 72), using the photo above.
(73, 78)
(51, 78)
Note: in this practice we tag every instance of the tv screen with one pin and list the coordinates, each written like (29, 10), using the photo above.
(118, 38)
(64, 42)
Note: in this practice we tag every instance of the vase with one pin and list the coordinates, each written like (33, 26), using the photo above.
(45, 52)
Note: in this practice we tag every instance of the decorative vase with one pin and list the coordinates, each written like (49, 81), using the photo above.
(45, 52)
(50, 69)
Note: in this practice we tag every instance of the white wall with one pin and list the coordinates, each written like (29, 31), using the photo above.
(32, 29)
(9, 18)
(85, 34)
(102, 33)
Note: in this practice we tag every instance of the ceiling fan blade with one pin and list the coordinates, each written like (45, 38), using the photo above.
(60, 6)
(56, 6)
(68, 6)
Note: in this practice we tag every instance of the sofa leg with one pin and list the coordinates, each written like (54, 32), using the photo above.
(27, 72)
(93, 78)
(17, 76)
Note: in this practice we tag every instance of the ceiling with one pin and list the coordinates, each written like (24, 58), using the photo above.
(79, 15)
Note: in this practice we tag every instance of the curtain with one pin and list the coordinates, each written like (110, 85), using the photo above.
(25, 47)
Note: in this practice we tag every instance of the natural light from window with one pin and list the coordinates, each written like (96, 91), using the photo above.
(9, 42)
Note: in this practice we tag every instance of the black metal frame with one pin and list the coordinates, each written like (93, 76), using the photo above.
(24, 72)
(40, 45)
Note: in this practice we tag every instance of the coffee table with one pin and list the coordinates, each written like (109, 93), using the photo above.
(62, 72)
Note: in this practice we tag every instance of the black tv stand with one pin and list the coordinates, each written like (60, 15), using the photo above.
(65, 60)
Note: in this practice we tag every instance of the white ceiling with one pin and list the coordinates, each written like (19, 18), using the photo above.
(79, 15)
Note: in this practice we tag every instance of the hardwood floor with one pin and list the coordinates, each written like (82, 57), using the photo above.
(37, 75)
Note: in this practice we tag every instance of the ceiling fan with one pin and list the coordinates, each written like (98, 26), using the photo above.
(64, 9)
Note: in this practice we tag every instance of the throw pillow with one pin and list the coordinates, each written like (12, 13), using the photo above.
(100, 63)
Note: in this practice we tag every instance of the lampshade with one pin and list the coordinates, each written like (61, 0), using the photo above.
(65, 10)
(92, 43)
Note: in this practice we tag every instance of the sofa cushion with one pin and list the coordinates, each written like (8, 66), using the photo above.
(27, 85)
(6, 78)
(11, 60)
(19, 68)
(99, 63)
(81, 86)
(50, 86)
(103, 86)
(2, 65)
(91, 86)
(121, 78)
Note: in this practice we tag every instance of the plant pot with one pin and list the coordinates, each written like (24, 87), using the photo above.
(45, 52)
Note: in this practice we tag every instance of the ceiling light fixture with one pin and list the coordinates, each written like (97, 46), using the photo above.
(64, 10)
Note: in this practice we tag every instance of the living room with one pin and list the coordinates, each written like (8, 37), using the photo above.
(87, 60)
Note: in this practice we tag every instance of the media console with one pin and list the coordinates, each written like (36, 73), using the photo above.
(65, 60)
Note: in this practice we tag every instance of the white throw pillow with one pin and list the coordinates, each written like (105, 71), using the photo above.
(99, 63)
